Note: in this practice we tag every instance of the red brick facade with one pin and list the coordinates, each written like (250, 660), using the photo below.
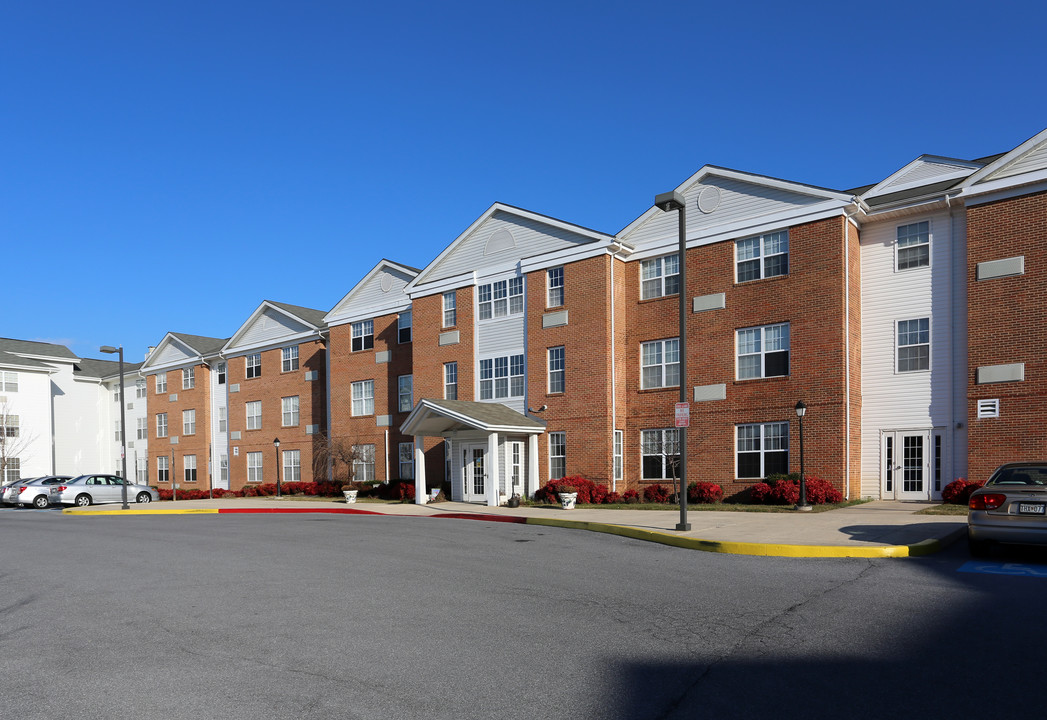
(174, 402)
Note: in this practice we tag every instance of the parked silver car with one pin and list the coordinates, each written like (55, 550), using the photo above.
(1010, 508)
(37, 492)
(92, 489)
(10, 489)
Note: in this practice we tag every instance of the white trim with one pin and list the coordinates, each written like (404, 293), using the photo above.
(882, 187)
(233, 349)
(1005, 160)
(1006, 188)
(340, 315)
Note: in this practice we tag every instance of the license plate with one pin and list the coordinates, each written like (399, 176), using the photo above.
(1032, 508)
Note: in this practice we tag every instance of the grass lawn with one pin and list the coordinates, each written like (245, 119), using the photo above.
(944, 509)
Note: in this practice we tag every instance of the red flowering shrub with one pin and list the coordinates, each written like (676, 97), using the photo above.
(821, 491)
(588, 491)
(656, 493)
(631, 496)
(759, 493)
(785, 490)
(958, 492)
(613, 498)
(704, 492)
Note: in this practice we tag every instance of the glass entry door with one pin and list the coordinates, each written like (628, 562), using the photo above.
(474, 475)
(906, 463)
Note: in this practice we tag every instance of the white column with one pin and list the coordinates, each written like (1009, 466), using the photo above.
(532, 465)
(421, 495)
(491, 469)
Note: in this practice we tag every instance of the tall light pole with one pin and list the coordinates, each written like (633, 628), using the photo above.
(675, 201)
(801, 410)
(276, 444)
(109, 349)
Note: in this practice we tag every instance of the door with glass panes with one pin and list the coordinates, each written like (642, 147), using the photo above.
(906, 465)
(474, 474)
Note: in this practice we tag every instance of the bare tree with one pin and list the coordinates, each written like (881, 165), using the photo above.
(13, 441)
(336, 457)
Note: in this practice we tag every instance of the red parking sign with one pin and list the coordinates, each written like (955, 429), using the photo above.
(683, 414)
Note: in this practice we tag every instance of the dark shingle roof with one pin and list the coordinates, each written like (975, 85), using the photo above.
(311, 316)
(7, 359)
(32, 347)
(913, 193)
(91, 367)
(203, 345)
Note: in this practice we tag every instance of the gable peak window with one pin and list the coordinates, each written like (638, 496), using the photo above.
(913, 246)
(363, 335)
(763, 256)
(660, 276)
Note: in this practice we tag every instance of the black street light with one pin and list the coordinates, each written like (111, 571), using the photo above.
(675, 201)
(801, 410)
(109, 349)
(276, 444)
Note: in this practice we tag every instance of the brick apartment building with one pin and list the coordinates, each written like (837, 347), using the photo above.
(907, 315)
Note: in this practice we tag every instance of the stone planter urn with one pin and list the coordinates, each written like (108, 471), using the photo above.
(350, 495)
(568, 499)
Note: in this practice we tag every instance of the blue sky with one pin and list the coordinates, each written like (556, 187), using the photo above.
(166, 166)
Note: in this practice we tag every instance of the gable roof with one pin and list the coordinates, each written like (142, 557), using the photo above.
(181, 350)
(11, 360)
(36, 349)
(435, 417)
(379, 292)
(1013, 164)
(272, 324)
(926, 175)
(103, 369)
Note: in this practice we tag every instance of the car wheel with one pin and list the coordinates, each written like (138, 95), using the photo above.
(144, 497)
(40, 501)
(83, 500)
(978, 548)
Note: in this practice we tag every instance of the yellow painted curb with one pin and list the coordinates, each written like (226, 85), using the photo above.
(742, 548)
(142, 511)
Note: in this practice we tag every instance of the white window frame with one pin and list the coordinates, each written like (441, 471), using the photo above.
(116, 435)
(189, 468)
(9, 381)
(557, 364)
(142, 428)
(223, 418)
(663, 443)
(656, 276)
(657, 354)
(290, 415)
(515, 466)
(909, 332)
(406, 457)
(253, 411)
(557, 455)
(910, 237)
(253, 366)
(255, 467)
(140, 391)
(768, 254)
(502, 377)
(450, 307)
(223, 467)
(618, 461)
(161, 383)
(405, 393)
(362, 394)
(161, 425)
(451, 380)
(292, 465)
(188, 378)
(364, 464)
(289, 358)
(221, 370)
(362, 335)
(10, 426)
(554, 287)
(755, 344)
(404, 332)
(189, 422)
(756, 440)
(500, 299)
(163, 469)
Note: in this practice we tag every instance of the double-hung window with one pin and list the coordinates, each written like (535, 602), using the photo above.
(9, 427)
(450, 309)
(254, 415)
(142, 427)
(659, 277)
(762, 450)
(363, 335)
(554, 278)
(253, 364)
(117, 434)
(500, 299)
(363, 463)
(914, 345)
(763, 256)
(502, 377)
(403, 327)
(140, 388)
(913, 247)
(363, 398)
(223, 423)
(292, 465)
(188, 378)
(189, 468)
(763, 351)
(289, 359)
(451, 381)
(221, 373)
(163, 469)
(189, 422)
(556, 369)
(161, 383)
(405, 393)
(660, 363)
(289, 411)
(9, 382)
(619, 453)
(254, 467)
(161, 425)
(407, 461)
(660, 454)
(557, 455)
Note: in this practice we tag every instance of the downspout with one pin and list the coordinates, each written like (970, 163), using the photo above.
(952, 312)
(847, 341)
(387, 457)
(614, 394)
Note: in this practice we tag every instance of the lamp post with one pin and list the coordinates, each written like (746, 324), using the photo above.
(801, 410)
(276, 444)
(109, 349)
(675, 201)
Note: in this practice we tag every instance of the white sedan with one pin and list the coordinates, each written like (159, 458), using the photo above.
(93, 489)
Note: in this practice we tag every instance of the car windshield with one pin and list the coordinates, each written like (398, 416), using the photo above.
(1020, 476)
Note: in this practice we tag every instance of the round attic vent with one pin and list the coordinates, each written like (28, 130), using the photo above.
(709, 199)
(387, 283)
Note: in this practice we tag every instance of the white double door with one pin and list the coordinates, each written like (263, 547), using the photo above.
(906, 457)
(474, 472)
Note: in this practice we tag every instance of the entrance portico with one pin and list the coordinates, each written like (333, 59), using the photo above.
(487, 457)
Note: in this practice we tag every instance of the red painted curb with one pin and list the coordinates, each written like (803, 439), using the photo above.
(343, 511)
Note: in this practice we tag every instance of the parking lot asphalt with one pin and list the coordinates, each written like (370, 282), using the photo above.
(879, 528)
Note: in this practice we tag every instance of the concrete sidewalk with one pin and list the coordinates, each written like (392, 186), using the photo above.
(875, 529)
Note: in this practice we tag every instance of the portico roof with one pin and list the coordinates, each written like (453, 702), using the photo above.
(440, 418)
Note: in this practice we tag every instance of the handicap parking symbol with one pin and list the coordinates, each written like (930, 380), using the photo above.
(1001, 568)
